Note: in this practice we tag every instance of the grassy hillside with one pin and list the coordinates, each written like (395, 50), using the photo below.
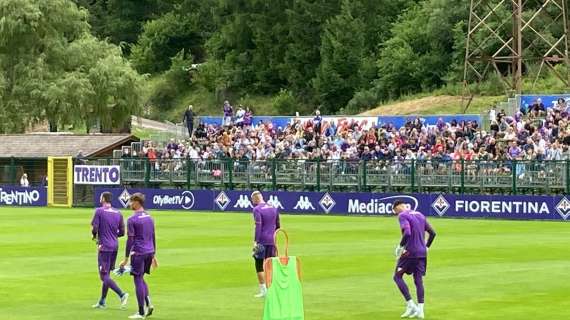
(167, 100)
(443, 104)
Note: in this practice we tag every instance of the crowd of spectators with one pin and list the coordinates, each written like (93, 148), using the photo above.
(534, 133)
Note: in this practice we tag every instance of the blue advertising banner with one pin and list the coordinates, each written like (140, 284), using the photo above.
(549, 101)
(397, 121)
(277, 121)
(161, 199)
(346, 203)
(17, 196)
(400, 121)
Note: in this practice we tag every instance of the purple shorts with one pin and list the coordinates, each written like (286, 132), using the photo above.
(269, 251)
(140, 264)
(106, 261)
(412, 265)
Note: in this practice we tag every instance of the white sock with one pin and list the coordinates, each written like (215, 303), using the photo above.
(262, 288)
(411, 303)
(421, 306)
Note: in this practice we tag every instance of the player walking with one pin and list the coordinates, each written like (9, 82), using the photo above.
(141, 248)
(107, 226)
(266, 222)
(412, 255)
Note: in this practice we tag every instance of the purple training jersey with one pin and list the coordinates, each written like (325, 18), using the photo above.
(108, 226)
(266, 222)
(140, 230)
(415, 225)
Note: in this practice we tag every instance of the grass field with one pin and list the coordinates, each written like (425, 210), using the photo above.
(477, 269)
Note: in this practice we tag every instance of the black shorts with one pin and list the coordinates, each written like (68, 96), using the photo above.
(269, 253)
(141, 264)
(412, 266)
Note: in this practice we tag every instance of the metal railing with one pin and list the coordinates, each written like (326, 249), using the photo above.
(477, 177)
(480, 177)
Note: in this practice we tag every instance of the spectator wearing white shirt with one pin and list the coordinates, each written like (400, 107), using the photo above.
(493, 114)
(24, 181)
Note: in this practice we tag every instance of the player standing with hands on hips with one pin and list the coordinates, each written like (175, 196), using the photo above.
(106, 227)
(141, 248)
(412, 255)
(266, 222)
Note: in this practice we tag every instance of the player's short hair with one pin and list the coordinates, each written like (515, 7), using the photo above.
(138, 197)
(107, 196)
(397, 203)
(255, 194)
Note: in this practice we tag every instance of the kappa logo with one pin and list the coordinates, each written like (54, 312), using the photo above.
(124, 198)
(274, 202)
(327, 202)
(304, 204)
(563, 208)
(440, 205)
(243, 202)
(222, 200)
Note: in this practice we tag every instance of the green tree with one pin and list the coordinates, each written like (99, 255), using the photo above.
(419, 58)
(122, 21)
(52, 69)
(306, 20)
(185, 28)
(342, 51)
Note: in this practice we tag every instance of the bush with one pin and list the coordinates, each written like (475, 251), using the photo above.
(362, 101)
(285, 103)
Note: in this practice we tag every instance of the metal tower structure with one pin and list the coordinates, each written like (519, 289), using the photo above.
(509, 37)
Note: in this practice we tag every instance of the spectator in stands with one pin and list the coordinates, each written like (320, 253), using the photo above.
(189, 120)
(247, 118)
(501, 115)
(172, 145)
(511, 138)
(537, 108)
(24, 183)
(317, 120)
(240, 114)
(560, 105)
(493, 114)
(228, 113)
(201, 131)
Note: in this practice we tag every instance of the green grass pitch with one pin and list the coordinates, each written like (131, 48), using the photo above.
(477, 269)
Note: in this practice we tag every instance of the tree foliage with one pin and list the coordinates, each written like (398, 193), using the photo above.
(53, 69)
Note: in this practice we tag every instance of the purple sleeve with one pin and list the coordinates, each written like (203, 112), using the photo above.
(257, 217)
(431, 233)
(130, 239)
(404, 225)
(406, 230)
(154, 241)
(121, 231)
(95, 224)
(153, 237)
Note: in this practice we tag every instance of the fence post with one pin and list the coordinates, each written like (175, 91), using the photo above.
(13, 171)
(462, 188)
(273, 174)
(231, 172)
(567, 176)
(147, 173)
(363, 168)
(413, 175)
(188, 174)
(318, 175)
(514, 171)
